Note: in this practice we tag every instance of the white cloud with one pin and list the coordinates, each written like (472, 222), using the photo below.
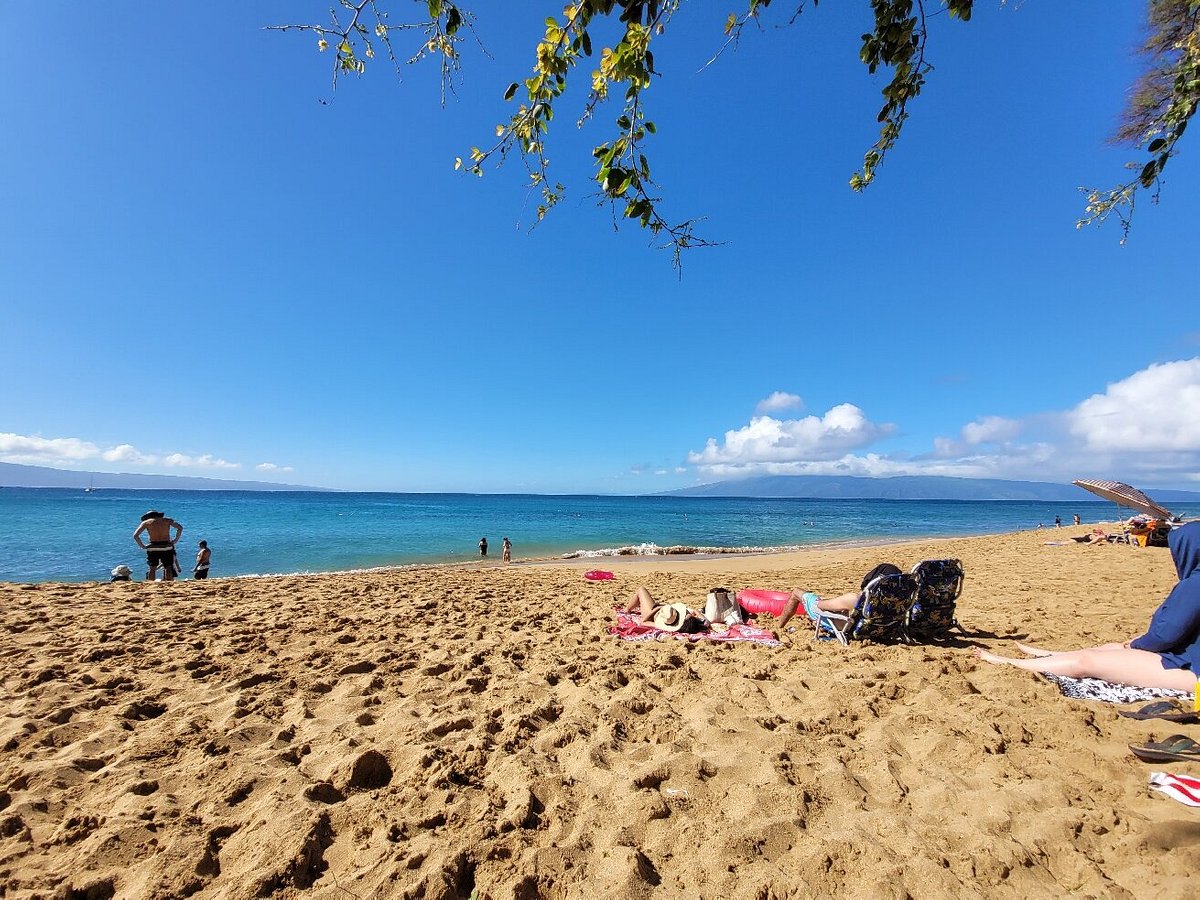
(127, 453)
(984, 430)
(271, 467)
(779, 401)
(1154, 410)
(1144, 428)
(34, 450)
(74, 452)
(990, 430)
(768, 443)
(207, 461)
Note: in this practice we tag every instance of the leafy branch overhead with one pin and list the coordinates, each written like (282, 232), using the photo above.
(1165, 100)
(1160, 107)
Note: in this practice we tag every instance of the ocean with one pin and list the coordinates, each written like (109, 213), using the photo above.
(55, 534)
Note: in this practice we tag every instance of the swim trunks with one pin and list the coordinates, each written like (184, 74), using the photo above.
(160, 553)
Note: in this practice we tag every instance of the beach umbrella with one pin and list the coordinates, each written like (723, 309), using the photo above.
(1124, 495)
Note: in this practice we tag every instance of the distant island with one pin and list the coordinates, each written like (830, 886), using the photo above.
(908, 487)
(15, 475)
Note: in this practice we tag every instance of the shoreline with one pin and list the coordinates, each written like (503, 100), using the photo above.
(610, 557)
(282, 535)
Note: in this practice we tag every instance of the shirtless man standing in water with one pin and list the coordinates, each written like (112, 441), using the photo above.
(161, 551)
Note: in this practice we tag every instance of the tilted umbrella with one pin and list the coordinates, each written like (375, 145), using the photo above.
(1124, 495)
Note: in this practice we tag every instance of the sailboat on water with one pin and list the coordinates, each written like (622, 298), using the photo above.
(91, 488)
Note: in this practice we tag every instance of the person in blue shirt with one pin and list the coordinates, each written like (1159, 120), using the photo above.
(1166, 656)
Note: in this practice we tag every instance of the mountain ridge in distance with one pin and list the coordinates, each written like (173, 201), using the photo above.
(17, 475)
(907, 487)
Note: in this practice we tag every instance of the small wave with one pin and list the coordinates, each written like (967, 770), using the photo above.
(396, 568)
(677, 550)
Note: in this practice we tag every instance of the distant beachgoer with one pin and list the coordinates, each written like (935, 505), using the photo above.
(506, 551)
(161, 550)
(1058, 521)
(666, 616)
(1096, 536)
(843, 603)
(121, 573)
(203, 560)
(1166, 656)
(1076, 518)
(483, 547)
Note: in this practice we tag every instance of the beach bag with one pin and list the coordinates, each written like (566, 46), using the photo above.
(722, 606)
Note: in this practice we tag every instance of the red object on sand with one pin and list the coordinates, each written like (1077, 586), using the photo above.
(756, 601)
(598, 575)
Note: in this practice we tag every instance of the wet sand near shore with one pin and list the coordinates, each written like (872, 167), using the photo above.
(449, 731)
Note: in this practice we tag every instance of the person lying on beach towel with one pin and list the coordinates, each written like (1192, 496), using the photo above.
(665, 616)
(843, 603)
(677, 621)
(1166, 656)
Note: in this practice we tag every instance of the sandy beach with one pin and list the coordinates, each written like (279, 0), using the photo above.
(476, 731)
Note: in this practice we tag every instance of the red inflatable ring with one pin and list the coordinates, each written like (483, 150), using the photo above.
(598, 575)
(771, 602)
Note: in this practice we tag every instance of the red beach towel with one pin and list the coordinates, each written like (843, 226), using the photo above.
(630, 628)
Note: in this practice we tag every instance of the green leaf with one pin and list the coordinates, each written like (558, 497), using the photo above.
(512, 89)
(1156, 145)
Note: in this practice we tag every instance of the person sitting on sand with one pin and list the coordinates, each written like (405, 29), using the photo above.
(665, 616)
(843, 603)
(1166, 656)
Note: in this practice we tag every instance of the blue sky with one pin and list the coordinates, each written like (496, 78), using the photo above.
(208, 271)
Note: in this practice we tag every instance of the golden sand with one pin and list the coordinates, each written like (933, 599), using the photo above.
(443, 731)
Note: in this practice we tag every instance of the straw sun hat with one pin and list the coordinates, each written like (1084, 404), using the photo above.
(670, 616)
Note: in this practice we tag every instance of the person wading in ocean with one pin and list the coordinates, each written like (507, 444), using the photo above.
(161, 550)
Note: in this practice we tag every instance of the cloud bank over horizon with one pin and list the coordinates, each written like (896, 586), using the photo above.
(1145, 426)
(72, 453)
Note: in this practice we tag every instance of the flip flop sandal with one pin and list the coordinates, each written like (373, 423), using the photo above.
(1176, 748)
(1170, 710)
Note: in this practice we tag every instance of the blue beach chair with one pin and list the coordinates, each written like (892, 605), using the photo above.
(939, 584)
(880, 615)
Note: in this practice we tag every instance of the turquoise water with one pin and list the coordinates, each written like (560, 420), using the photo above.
(50, 534)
